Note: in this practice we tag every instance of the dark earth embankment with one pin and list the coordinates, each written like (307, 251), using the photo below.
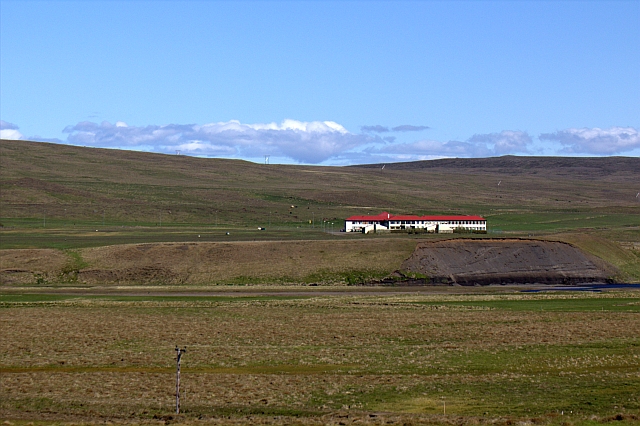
(347, 262)
(502, 261)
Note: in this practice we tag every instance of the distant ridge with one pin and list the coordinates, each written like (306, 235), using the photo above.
(509, 164)
(583, 166)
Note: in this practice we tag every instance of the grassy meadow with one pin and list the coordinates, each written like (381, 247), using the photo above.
(318, 359)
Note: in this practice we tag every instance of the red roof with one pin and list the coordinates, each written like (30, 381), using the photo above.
(382, 216)
(386, 216)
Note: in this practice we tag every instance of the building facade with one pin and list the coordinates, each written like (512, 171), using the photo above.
(438, 224)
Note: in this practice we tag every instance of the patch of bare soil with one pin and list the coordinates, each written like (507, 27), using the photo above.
(503, 261)
(145, 274)
(24, 266)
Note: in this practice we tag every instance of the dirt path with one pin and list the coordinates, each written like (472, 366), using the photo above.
(262, 291)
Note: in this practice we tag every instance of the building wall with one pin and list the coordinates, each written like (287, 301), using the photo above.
(442, 226)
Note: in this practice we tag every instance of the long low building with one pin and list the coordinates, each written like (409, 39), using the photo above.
(438, 224)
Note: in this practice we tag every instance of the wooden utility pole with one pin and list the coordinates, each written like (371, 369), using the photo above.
(179, 353)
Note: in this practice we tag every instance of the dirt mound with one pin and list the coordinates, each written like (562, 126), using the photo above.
(262, 262)
(147, 275)
(504, 261)
(266, 262)
(25, 266)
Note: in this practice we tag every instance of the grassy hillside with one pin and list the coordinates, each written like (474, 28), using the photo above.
(66, 184)
(58, 196)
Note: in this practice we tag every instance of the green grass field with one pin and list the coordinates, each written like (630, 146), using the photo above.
(98, 236)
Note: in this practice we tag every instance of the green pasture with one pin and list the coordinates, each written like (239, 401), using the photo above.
(561, 221)
(97, 236)
(571, 304)
(31, 232)
(35, 299)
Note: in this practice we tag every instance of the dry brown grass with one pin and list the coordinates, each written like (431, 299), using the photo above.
(215, 263)
(142, 332)
(100, 359)
(30, 266)
(622, 255)
(33, 260)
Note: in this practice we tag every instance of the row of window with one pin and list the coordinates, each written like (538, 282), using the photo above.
(422, 222)
(446, 222)
(476, 228)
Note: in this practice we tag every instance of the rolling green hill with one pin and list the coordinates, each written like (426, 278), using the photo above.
(68, 184)
(58, 196)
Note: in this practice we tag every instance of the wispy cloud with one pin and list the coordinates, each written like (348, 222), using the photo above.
(479, 145)
(505, 142)
(305, 142)
(378, 128)
(409, 128)
(432, 148)
(9, 131)
(374, 129)
(614, 140)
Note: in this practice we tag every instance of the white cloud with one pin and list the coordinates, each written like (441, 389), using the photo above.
(374, 155)
(505, 142)
(11, 134)
(305, 142)
(436, 148)
(202, 148)
(378, 128)
(9, 131)
(479, 145)
(326, 142)
(597, 141)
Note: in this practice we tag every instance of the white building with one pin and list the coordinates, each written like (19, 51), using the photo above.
(439, 224)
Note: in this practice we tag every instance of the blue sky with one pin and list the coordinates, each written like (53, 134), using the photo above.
(324, 82)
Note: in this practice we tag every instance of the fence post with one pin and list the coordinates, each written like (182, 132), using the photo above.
(179, 353)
